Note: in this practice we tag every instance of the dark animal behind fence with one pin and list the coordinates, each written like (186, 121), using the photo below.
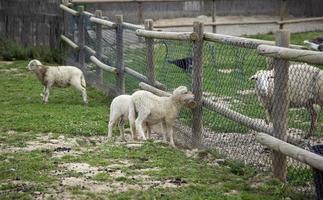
(183, 63)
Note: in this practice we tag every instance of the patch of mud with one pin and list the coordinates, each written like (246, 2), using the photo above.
(59, 145)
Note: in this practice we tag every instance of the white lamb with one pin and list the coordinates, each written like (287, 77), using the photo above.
(153, 109)
(119, 113)
(305, 87)
(59, 76)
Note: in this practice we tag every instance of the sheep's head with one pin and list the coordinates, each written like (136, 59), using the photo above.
(262, 78)
(33, 64)
(183, 96)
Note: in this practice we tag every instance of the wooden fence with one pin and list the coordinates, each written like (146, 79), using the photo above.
(198, 36)
(31, 22)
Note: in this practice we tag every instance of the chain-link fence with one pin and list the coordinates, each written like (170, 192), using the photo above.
(243, 92)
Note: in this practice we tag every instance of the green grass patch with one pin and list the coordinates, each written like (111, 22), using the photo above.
(23, 110)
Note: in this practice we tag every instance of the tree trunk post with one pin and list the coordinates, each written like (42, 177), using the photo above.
(213, 16)
(119, 54)
(282, 13)
(81, 37)
(98, 46)
(150, 54)
(280, 106)
(197, 75)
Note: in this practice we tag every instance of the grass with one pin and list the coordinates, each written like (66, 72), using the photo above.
(64, 113)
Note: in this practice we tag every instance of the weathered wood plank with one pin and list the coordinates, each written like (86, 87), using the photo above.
(120, 82)
(70, 43)
(103, 22)
(280, 106)
(197, 82)
(241, 42)
(292, 151)
(102, 65)
(165, 35)
(69, 10)
(313, 57)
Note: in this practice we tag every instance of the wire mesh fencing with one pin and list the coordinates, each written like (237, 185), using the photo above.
(238, 93)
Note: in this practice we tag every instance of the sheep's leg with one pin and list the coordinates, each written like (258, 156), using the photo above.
(121, 129)
(139, 125)
(313, 115)
(147, 130)
(77, 85)
(46, 95)
(84, 95)
(110, 127)
(164, 132)
(132, 119)
(170, 133)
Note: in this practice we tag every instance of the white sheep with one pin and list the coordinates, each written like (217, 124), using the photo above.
(119, 113)
(59, 76)
(153, 109)
(305, 88)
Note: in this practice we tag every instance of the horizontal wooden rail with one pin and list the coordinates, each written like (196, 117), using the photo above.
(123, 1)
(294, 21)
(102, 65)
(241, 42)
(313, 57)
(154, 90)
(89, 50)
(88, 13)
(166, 35)
(141, 77)
(70, 43)
(295, 152)
(255, 124)
(103, 22)
(69, 10)
(133, 27)
(218, 24)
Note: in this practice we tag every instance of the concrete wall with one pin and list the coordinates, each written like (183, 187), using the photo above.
(193, 8)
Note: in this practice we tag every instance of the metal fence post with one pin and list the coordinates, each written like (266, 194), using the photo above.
(280, 106)
(98, 46)
(197, 75)
(119, 55)
(150, 54)
(81, 37)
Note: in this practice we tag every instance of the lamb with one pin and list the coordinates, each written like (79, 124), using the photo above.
(59, 76)
(153, 109)
(119, 113)
(305, 89)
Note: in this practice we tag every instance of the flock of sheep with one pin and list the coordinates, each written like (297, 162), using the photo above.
(144, 109)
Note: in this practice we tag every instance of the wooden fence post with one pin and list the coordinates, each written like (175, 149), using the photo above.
(197, 75)
(280, 106)
(119, 51)
(282, 12)
(213, 16)
(150, 54)
(81, 37)
(140, 13)
(98, 46)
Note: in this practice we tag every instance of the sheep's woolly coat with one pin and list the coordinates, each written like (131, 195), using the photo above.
(153, 109)
(58, 76)
(305, 88)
